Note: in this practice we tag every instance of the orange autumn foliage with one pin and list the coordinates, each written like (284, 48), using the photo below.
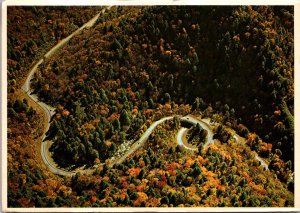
(123, 196)
(173, 173)
(133, 172)
(161, 184)
(258, 188)
(142, 197)
(93, 199)
(251, 136)
(153, 202)
(266, 147)
(24, 202)
(113, 117)
(88, 126)
(189, 162)
(141, 162)
(173, 166)
(226, 156)
(66, 113)
(277, 112)
(148, 112)
(213, 147)
(168, 106)
(247, 176)
(108, 143)
(124, 182)
(134, 111)
(200, 159)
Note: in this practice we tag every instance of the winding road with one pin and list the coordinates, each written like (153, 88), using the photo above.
(180, 136)
(262, 162)
(142, 139)
(204, 125)
(50, 111)
(148, 132)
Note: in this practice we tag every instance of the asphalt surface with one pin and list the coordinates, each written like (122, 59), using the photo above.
(50, 111)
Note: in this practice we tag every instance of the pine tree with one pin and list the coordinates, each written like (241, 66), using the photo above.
(124, 118)
(167, 98)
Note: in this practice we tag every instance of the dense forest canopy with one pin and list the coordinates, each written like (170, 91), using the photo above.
(32, 30)
(174, 50)
(231, 64)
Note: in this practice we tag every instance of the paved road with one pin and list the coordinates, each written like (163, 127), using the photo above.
(204, 125)
(142, 139)
(87, 25)
(50, 111)
(179, 139)
(148, 132)
(238, 138)
(262, 162)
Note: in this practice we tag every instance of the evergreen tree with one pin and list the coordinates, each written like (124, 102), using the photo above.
(167, 98)
(124, 118)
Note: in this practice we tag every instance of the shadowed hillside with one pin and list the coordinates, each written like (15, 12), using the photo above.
(231, 65)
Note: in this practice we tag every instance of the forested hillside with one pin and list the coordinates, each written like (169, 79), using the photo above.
(33, 30)
(232, 65)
